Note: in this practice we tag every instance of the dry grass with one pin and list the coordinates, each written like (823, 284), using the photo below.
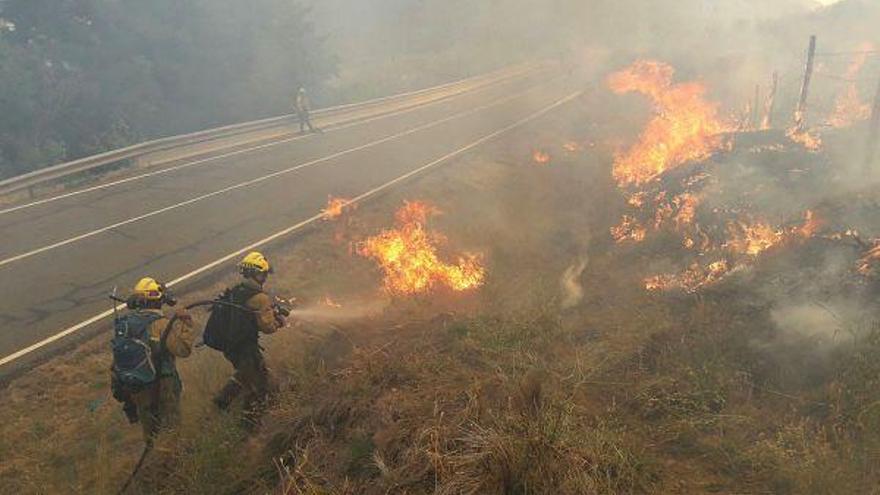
(500, 391)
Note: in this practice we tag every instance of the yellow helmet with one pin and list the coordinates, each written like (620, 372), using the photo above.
(255, 262)
(149, 289)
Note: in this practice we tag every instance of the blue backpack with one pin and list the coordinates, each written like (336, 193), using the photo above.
(134, 365)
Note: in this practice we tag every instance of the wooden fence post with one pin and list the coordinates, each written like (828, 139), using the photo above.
(800, 112)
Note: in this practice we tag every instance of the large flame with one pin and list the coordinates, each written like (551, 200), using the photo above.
(408, 256)
(849, 107)
(685, 127)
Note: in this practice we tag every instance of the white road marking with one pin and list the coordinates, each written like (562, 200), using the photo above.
(79, 326)
(257, 180)
(491, 83)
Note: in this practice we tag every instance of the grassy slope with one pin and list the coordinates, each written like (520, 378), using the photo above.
(500, 391)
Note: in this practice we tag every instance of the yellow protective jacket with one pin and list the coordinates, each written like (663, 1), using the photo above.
(180, 337)
(261, 304)
(160, 404)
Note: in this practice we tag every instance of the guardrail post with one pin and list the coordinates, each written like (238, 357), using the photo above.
(31, 193)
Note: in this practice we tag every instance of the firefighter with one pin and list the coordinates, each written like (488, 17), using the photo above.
(303, 109)
(148, 384)
(259, 315)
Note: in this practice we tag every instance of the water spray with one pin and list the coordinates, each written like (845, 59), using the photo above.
(324, 312)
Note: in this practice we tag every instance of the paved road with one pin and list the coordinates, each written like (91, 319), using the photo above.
(59, 258)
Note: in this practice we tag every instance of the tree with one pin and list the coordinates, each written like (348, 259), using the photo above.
(81, 76)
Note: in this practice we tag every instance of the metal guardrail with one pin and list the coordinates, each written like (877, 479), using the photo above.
(30, 180)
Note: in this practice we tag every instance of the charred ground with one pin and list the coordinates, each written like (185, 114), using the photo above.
(561, 374)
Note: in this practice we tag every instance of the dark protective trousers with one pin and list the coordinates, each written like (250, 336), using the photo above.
(250, 381)
(158, 406)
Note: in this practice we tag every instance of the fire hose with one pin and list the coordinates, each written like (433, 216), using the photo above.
(279, 305)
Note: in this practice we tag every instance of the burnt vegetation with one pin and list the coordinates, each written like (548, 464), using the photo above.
(652, 291)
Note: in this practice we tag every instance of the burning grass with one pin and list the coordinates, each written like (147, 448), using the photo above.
(519, 387)
(727, 213)
(808, 138)
(409, 259)
(723, 211)
(849, 107)
(685, 128)
(335, 207)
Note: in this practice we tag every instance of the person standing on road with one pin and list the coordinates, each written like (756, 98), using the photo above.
(255, 314)
(303, 108)
(146, 344)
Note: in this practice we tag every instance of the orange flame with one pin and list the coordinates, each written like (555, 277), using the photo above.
(687, 209)
(541, 157)
(692, 279)
(637, 200)
(748, 240)
(752, 239)
(755, 238)
(867, 262)
(681, 209)
(811, 226)
(629, 229)
(685, 127)
(335, 207)
(408, 256)
(849, 108)
(806, 138)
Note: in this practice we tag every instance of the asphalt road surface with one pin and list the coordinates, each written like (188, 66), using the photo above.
(60, 257)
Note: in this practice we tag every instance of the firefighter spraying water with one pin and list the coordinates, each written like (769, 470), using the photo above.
(235, 329)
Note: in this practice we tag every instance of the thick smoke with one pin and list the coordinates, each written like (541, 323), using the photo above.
(374, 37)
